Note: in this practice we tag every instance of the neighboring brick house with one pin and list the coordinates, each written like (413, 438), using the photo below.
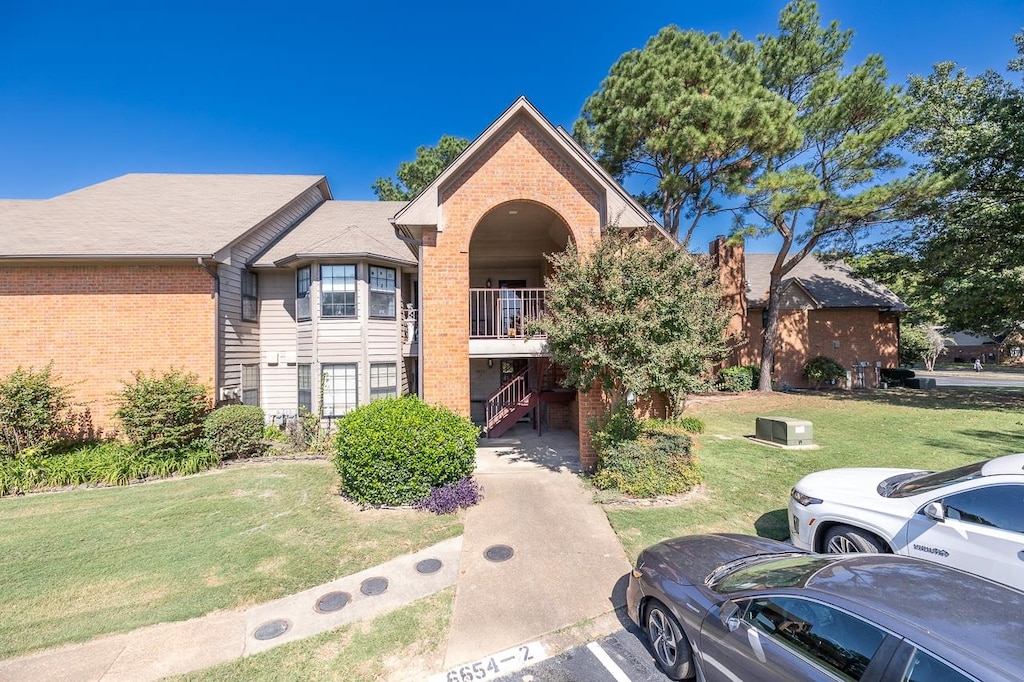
(275, 294)
(825, 310)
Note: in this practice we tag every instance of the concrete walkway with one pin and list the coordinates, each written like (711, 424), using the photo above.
(567, 565)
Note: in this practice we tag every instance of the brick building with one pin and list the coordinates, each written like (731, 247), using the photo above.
(275, 294)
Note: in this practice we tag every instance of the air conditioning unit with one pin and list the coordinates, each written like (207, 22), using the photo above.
(784, 431)
(230, 393)
(271, 358)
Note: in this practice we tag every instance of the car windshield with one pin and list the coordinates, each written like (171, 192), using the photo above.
(938, 479)
(791, 571)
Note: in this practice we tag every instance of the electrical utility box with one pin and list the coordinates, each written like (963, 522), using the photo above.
(784, 431)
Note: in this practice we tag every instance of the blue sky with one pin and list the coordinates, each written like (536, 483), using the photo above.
(92, 90)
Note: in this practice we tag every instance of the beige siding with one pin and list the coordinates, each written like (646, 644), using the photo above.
(279, 388)
(241, 340)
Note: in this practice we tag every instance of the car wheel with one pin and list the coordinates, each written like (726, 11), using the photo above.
(845, 540)
(671, 648)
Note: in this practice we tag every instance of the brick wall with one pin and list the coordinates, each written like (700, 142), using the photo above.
(98, 324)
(520, 164)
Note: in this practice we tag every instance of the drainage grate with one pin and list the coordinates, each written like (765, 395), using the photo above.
(272, 629)
(429, 566)
(374, 586)
(498, 553)
(332, 601)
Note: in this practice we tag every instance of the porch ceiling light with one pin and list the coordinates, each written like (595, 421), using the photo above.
(513, 212)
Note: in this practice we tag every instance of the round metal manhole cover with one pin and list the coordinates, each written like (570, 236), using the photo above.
(332, 601)
(428, 566)
(498, 553)
(374, 586)
(272, 629)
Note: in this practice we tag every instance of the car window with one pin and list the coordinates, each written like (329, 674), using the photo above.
(841, 643)
(999, 506)
(938, 479)
(924, 667)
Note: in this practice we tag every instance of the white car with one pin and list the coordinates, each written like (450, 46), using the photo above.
(971, 517)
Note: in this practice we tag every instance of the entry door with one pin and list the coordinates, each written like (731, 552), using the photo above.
(510, 307)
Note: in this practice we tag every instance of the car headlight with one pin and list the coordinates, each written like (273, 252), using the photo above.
(805, 500)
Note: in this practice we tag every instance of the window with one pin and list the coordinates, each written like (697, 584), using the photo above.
(341, 389)
(338, 290)
(305, 389)
(382, 292)
(303, 278)
(250, 384)
(250, 302)
(995, 505)
(924, 667)
(383, 381)
(836, 640)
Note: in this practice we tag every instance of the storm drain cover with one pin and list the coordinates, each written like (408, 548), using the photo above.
(272, 629)
(498, 553)
(428, 566)
(374, 586)
(332, 601)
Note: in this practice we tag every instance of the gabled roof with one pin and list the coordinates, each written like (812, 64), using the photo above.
(828, 284)
(341, 229)
(623, 209)
(147, 215)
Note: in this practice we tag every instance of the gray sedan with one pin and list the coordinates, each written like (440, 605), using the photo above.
(733, 607)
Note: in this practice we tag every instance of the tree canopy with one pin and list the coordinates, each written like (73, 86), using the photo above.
(635, 315)
(414, 176)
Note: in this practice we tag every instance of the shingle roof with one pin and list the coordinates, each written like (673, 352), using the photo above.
(342, 229)
(831, 284)
(147, 215)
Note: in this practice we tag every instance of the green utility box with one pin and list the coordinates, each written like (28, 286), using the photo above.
(785, 431)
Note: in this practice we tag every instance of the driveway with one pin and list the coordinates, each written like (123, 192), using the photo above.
(967, 377)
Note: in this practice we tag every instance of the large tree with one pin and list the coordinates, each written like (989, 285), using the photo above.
(843, 178)
(635, 314)
(684, 118)
(414, 176)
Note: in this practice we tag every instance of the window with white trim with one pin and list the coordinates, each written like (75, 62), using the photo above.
(341, 389)
(383, 380)
(303, 279)
(338, 291)
(305, 380)
(382, 292)
(250, 384)
(250, 300)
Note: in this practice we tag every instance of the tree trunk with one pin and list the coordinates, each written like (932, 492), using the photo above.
(771, 332)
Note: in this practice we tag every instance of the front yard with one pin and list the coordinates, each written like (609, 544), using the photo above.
(747, 485)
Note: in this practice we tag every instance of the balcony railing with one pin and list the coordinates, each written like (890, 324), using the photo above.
(503, 313)
(410, 330)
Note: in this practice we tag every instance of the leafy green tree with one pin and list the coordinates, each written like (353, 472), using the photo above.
(970, 247)
(636, 315)
(843, 178)
(414, 176)
(904, 274)
(689, 115)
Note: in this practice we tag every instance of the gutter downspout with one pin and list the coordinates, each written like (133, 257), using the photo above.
(218, 360)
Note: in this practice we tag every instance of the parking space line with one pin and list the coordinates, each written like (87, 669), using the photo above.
(606, 660)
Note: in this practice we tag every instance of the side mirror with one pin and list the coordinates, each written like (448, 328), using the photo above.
(934, 511)
(729, 615)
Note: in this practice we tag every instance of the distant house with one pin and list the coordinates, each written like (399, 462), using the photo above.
(825, 310)
(275, 294)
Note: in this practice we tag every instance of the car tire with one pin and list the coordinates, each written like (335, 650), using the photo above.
(671, 648)
(846, 539)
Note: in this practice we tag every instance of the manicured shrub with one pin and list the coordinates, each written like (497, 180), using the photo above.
(824, 369)
(657, 463)
(394, 451)
(615, 427)
(448, 499)
(235, 431)
(162, 412)
(34, 409)
(737, 379)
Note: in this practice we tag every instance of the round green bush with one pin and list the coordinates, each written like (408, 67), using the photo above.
(235, 431)
(824, 368)
(394, 451)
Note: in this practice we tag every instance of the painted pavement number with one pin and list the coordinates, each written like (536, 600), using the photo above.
(496, 665)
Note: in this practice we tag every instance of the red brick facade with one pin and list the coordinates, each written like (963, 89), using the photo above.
(98, 324)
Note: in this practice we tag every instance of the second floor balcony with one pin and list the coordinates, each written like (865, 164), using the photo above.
(504, 313)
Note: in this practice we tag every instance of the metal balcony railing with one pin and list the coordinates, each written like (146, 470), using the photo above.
(410, 326)
(503, 313)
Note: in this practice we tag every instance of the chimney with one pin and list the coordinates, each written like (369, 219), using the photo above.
(732, 275)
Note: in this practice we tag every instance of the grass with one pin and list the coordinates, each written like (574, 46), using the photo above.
(83, 563)
(406, 644)
(747, 485)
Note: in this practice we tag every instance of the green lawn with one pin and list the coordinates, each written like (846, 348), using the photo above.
(82, 563)
(747, 485)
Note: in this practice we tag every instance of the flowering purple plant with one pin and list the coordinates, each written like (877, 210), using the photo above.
(447, 499)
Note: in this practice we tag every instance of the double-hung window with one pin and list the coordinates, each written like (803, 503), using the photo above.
(383, 380)
(250, 384)
(382, 292)
(341, 389)
(305, 389)
(250, 301)
(303, 278)
(338, 290)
